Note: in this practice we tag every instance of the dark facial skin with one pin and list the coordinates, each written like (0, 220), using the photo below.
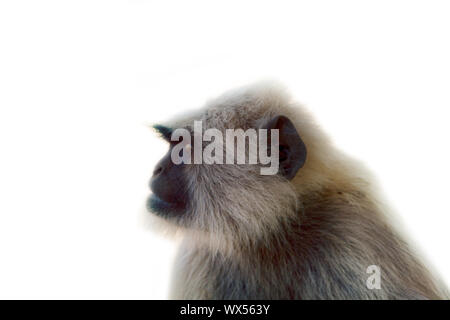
(168, 184)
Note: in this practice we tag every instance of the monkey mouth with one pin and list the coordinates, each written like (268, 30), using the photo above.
(162, 207)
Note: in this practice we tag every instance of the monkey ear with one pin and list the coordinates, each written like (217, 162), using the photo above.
(292, 153)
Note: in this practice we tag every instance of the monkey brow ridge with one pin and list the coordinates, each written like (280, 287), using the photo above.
(163, 131)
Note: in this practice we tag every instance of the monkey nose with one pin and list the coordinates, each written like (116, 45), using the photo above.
(157, 170)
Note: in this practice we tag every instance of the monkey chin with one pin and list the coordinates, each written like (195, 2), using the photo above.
(163, 208)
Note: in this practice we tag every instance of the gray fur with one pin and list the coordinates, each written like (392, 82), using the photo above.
(247, 236)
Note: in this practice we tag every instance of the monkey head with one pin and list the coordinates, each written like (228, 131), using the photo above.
(230, 199)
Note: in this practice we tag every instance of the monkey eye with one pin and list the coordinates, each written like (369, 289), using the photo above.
(187, 148)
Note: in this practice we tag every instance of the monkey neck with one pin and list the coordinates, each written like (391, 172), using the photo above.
(297, 234)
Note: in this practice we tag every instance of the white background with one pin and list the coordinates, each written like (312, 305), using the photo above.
(79, 80)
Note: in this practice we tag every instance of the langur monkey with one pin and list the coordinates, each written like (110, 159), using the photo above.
(313, 230)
